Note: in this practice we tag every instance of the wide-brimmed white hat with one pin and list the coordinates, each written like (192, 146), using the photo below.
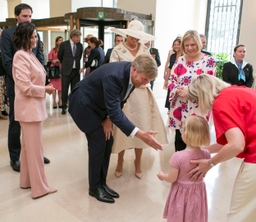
(136, 30)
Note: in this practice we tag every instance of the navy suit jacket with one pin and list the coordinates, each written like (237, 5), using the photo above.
(230, 74)
(66, 57)
(107, 57)
(100, 94)
(96, 54)
(8, 50)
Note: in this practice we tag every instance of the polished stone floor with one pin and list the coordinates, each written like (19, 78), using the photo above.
(141, 200)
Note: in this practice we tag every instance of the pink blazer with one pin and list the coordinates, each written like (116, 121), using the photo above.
(30, 98)
(53, 56)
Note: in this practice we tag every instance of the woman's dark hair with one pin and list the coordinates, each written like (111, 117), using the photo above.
(56, 47)
(97, 42)
(236, 47)
(22, 36)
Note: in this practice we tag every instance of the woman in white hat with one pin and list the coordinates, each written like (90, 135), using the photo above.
(141, 107)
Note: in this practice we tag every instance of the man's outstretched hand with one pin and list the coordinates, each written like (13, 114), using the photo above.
(148, 138)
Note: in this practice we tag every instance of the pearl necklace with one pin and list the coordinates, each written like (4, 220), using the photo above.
(132, 49)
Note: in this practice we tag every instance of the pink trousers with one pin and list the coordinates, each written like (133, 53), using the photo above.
(32, 164)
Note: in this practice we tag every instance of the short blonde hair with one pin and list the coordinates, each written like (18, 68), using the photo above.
(146, 64)
(204, 89)
(196, 130)
(191, 34)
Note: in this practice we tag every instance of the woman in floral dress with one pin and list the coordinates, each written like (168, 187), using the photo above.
(184, 71)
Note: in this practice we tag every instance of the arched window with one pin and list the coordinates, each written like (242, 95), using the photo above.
(223, 25)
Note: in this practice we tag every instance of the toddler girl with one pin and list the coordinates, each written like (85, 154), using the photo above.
(187, 200)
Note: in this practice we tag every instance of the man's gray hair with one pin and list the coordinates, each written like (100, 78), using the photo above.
(146, 64)
(75, 32)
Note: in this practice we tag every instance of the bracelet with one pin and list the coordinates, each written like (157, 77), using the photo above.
(211, 163)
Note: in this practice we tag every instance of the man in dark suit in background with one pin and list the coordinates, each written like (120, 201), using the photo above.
(96, 102)
(70, 53)
(155, 54)
(118, 40)
(204, 44)
(23, 13)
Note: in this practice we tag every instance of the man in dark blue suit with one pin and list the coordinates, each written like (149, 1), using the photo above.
(96, 102)
(23, 13)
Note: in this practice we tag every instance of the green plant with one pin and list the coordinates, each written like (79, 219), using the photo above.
(220, 59)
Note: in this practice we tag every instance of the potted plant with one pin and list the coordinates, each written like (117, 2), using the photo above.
(220, 59)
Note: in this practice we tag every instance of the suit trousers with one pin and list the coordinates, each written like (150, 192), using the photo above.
(32, 163)
(179, 143)
(99, 151)
(243, 201)
(72, 79)
(13, 132)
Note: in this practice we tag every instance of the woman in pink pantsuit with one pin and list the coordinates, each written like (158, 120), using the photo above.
(30, 109)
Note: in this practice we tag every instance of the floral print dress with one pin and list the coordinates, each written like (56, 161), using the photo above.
(182, 74)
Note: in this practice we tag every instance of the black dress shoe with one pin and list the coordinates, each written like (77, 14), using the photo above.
(111, 192)
(46, 161)
(63, 112)
(101, 195)
(15, 165)
(5, 113)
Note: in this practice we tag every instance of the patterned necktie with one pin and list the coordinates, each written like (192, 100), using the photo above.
(74, 50)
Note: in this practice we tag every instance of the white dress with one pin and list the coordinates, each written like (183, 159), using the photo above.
(141, 108)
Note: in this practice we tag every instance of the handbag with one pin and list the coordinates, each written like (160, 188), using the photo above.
(52, 72)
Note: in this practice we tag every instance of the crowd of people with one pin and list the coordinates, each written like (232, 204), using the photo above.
(114, 87)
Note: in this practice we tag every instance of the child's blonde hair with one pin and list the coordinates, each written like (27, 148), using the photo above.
(197, 131)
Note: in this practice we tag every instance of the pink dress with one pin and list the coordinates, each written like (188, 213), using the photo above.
(55, 82)
(187, 200)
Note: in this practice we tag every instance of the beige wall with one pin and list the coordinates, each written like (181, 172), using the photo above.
(247, 32)
(40, 8)
(59, 8)
(144, 6)
(11, 5)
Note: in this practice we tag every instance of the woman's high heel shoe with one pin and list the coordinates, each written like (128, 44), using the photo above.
(119, 174)
(60, 106)
(138, 175)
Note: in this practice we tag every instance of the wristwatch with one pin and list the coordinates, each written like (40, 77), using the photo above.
(211, 163)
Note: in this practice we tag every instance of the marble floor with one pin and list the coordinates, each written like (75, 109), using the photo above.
(141, 200)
